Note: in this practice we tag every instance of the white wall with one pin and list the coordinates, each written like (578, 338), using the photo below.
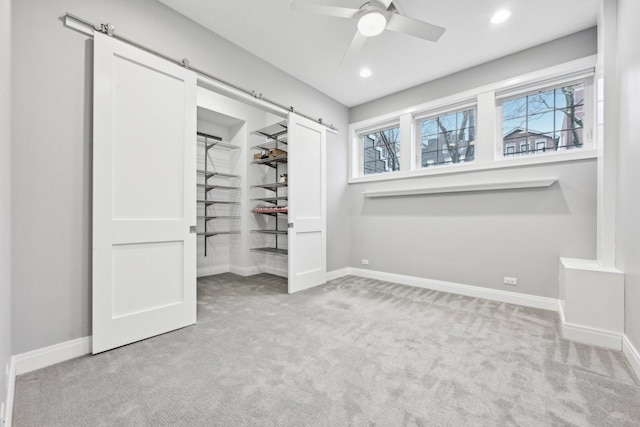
(5, 194)
(51, 156)
(628, 228)
(478, 238)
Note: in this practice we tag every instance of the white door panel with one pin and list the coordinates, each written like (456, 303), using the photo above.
(144, 192)
(307, 203)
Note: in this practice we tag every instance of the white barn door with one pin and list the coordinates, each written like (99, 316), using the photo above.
(144, 201)
(307, 203)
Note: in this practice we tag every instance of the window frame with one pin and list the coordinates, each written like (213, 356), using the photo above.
(488, 155)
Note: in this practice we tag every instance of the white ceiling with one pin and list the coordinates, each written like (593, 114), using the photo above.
(310, 47)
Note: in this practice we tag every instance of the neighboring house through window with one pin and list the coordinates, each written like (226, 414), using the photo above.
(381, 151)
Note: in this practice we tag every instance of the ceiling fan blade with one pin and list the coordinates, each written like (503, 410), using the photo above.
(413, 27)
(354, 48)
(323, 9)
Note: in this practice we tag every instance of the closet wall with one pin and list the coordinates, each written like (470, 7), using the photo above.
(53, 66)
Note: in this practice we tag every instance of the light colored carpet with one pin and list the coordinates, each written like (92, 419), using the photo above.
(353, 352)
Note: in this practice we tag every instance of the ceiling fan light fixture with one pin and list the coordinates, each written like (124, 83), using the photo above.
(372, 23)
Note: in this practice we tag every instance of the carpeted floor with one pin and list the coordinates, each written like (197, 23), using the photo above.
(353, 352)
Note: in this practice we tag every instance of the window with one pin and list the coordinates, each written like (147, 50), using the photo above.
(549, 120)
(448, 138)
(381, 151)
(546, 116)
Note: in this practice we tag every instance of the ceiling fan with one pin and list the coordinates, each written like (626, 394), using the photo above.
(373, 17)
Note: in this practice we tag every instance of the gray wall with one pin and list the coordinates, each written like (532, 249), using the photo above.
(51, 155)
(478, 238)
(627, 227)
(565, 49)
(5, 198)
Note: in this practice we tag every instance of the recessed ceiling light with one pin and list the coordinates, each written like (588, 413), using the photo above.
(500, 16)
(372, 23)
(365, 72)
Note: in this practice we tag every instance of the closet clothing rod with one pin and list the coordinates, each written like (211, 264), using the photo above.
(88, 28)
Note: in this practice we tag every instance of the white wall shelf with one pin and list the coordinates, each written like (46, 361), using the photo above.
(485, 186)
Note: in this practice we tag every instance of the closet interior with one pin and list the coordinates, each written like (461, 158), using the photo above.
(242, 188)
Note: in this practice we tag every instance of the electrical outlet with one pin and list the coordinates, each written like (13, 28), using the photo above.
(510, 281)
(365, 262)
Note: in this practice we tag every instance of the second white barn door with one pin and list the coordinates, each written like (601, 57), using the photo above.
(144, 192)
(307, 203)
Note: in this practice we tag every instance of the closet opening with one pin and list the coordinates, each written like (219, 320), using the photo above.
(242, 188)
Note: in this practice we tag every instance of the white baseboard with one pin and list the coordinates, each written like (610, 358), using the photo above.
(460, 289)
(587, 335)
(276, 271)
(632, 354)
(336, 274)
(11, 392)
(47, 356)
(245, 271)
(211, 270)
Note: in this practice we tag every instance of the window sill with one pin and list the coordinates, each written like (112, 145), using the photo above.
(532, 160)
(487, 186)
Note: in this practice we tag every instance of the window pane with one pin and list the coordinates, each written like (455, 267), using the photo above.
(512, 126)
(429, 127)
(544, 121)
(570, 95)
(570, 139)
(430, 143)
(541, 123)
(541, 102)
(538, 140)
(447, 123)
(454, 141)
(381, 151)
(515, 108)
(570, 118)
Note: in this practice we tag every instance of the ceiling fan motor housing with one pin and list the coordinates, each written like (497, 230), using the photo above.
(372, 20)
